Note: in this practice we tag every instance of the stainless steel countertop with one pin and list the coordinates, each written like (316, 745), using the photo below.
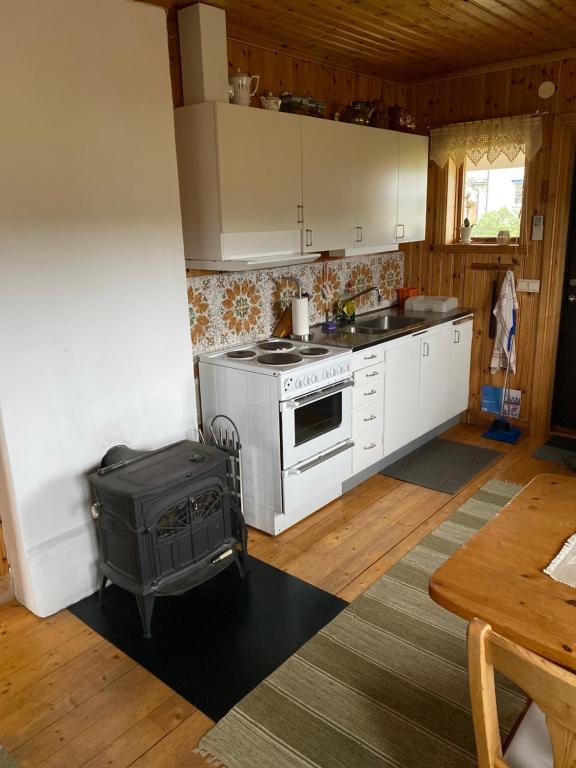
(356, 340)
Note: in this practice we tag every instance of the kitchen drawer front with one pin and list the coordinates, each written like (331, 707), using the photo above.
(369, 375)
(370, 393)
(367, 450)
(368, 357)
(369, 419)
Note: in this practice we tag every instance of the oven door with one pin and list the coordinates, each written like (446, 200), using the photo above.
(315, 423)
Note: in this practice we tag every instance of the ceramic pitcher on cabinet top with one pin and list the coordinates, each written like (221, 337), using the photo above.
(243, 89)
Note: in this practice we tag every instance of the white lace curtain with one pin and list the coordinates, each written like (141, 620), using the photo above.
(486, 139)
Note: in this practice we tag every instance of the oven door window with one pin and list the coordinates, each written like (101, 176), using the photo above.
(317, 418)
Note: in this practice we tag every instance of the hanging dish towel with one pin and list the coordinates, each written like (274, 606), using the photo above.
(505, 314)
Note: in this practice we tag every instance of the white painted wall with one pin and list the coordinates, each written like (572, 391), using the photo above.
(94, 336)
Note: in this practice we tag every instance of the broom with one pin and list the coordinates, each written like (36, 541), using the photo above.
(501, 429)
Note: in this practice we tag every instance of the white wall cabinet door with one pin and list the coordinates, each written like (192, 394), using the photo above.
(435, 353)
(460, 367)
(259, 169)
(377, 186)
(329, 184)
(401, 394)
(412, 187)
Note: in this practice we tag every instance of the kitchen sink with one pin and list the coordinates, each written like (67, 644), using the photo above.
(387, 324)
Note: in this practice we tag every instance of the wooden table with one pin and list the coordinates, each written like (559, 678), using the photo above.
(497, 576)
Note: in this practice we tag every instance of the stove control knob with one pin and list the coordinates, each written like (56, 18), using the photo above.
(307, 380)
(314, 379)
(298, 384)
(333, 371)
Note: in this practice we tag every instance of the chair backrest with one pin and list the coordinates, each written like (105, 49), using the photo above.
(552, 688)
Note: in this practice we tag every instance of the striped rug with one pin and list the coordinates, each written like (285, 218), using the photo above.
(383, 685)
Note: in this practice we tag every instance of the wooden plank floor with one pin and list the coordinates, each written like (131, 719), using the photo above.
(68, 698)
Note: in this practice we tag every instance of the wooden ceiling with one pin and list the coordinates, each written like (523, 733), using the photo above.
(402, 40)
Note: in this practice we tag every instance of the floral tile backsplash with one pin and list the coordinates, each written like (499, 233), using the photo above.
(229, 308)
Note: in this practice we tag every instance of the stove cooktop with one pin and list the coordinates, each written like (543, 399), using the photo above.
(274, 355)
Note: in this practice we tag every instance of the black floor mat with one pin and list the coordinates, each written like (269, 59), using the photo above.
(217, 642)
(558, 449)
(442, 465)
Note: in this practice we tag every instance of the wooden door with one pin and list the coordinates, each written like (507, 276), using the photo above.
(329, 184)
(401, 394)
(435, 349)
(412, 187)
(460, 367)
(259, 169)
(377, 185)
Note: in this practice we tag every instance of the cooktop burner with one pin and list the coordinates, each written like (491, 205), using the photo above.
(273, 346)
(280, 358)
(240, 354)
(313, 351)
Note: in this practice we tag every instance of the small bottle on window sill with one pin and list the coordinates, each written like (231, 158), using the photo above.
(466, 231)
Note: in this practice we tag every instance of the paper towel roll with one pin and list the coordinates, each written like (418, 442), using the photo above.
(300, 321)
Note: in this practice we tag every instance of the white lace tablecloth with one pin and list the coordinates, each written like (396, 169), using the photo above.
(563, 567)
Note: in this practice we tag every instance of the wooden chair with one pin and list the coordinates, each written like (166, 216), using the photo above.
(550, 687)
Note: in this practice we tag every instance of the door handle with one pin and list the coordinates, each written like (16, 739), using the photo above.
(399, 231)
(425, 349)
(308, 238)
(456, 337)
(300, 213)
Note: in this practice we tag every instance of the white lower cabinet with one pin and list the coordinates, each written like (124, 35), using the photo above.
(367, 408)
(407, 387)
(460, 366)
(402, 390)
(435, 349)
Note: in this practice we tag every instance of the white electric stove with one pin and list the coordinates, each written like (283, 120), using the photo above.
(292, 404)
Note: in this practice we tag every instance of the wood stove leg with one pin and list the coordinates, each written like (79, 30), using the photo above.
(146, 608)
(102, 587)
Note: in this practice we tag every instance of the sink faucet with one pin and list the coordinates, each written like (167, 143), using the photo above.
(343, 299)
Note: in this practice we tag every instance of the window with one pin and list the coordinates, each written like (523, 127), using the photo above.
(492, 196)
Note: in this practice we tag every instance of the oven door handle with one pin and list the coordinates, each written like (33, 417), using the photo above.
(298, 402)
(320, 460)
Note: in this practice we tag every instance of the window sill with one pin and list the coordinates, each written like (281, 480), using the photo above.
(480, 248)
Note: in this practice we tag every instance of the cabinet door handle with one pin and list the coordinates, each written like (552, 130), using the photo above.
(308, 238)
(456, 337)
(370, 375)
(425, 349)
(370, 357)
(300, 213)
(361, 234)
(371, 392)
(399, 231)
(370, 418)
(369, 447)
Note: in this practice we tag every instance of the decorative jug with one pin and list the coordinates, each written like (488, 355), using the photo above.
(243, 90)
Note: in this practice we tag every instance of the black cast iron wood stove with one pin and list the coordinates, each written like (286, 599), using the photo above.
(167, 520)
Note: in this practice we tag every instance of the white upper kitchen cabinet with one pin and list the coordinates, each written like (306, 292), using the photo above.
(412, 187)
(460, 366)
(377, 185)
(435, 355)
(240, 181)
(329, 184)
(401, 393)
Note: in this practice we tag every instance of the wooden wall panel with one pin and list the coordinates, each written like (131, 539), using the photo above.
(448, 271)
(283, 72)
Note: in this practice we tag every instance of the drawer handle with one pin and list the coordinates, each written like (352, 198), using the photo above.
(371, 357)
(370, 418)
(370, 375)
(372, 392)
(369, 447)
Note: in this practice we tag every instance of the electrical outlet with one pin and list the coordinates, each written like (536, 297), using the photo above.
(528, 286)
